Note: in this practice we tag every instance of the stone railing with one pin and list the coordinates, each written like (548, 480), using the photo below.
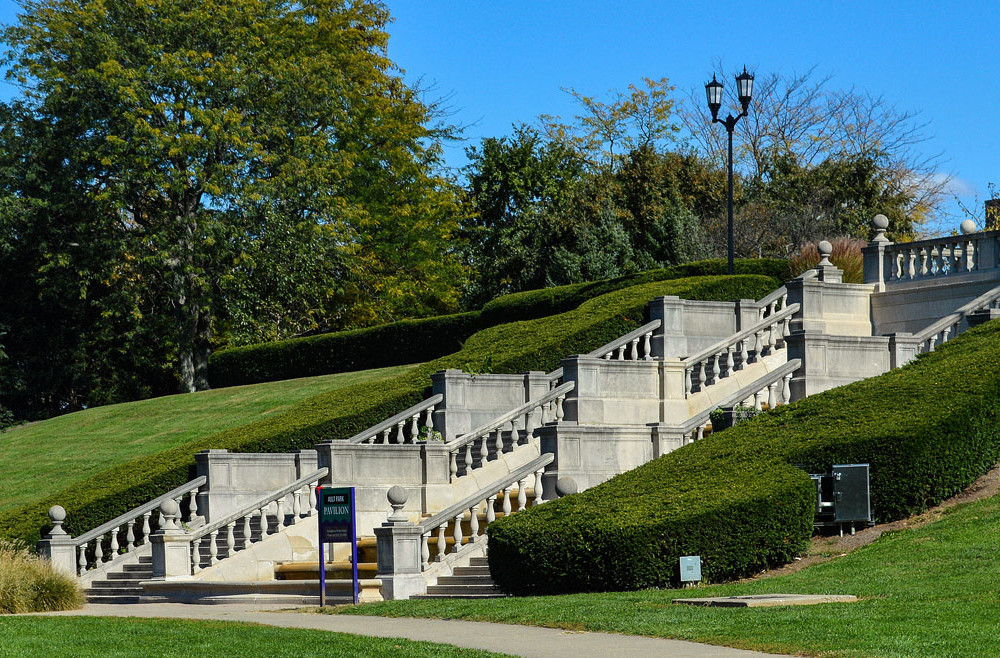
(774, 302)
(950, 325)
(179, 553)
(938, 257)
(633, 346)
(404, 548)
(774, 389)
(404, 427)
(733, 353)
(104, 546)
(474, 449)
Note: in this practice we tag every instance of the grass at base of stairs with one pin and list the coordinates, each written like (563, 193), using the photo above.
(929, 591)
(39, 459)
(53, 637)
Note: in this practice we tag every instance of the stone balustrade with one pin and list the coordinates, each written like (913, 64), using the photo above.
(951, 325)
(735, 352)
(177, 553)
(633, 346)
(404, 427)
(487, 442)
(772, 303)
(405, 552)
(107, 544)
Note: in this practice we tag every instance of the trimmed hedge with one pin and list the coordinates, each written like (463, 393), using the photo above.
(515, 347)
(928, 430)
(416, 341)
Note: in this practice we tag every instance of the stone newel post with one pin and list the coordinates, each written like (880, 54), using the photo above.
(57, 545)
(878, 266)
(399, 543)
(171, 547)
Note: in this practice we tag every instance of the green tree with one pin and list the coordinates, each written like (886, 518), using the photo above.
(215, 138)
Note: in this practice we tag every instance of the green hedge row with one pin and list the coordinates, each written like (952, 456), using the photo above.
(928, 430)
(537, 344)
(416, 341)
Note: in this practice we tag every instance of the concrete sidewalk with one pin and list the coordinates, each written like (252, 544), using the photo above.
(504, 638)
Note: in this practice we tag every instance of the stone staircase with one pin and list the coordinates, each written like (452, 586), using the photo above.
(121, 586)
(471, 582)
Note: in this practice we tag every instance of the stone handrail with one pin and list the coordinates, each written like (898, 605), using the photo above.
(949, 326)
(303, 505)
(629, 343)
(708, 366)
(90, 545)
(937, 257)
(753, 395)
(473, 456)
(406, 423)
(471, 505)
(774, 302)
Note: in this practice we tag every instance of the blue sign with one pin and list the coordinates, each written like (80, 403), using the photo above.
(337, 525)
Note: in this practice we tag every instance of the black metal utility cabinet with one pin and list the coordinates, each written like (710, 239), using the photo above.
(843, 496)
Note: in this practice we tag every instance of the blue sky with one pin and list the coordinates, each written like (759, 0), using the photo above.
(503, 62)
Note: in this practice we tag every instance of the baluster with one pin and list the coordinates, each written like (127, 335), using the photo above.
(912, 266)
(687, 382)
(280, 513)
(130, 536)
(82, 561)
(771, 338)
(930, 343)
(145, 527)
(425, 551)
(522, 494)
(458, 533)
(539, 487)
(369, 441)
(758, 400)
(620, 353)
(972, 262)
(312, 501)
(944, 334)
(491, 513)
(772, 395)
(399, 432)
(230, 538)
(429, 421)
(939, 260)
(468, 457)
(529, 425)
(514, 438)
(759, 346)
(959, 255)
(784, 300)
(716, 370)
(633, 349)
(728, 370)
(474, 523)
(786, 388)
(559, 408)
(506, 501)
(296, 505)
(701, 376)
(647, 348)
(922, 257)
(414, 429)
(701, 432)
(607, 357)
(113, 547)
(743, 354)
(247, 532)
(442, 543)
(385, 435)
(453, 466)
(786, 328)
(99, 552)
(484, 448)
(263, 522)
(196, 556)
(213, 547)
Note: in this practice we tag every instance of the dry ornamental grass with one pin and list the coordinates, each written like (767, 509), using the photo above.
(28, 583)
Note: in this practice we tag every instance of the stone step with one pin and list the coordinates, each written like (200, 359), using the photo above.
(138, 569)
(114, 584)
(129, 575)
(113, 599)
(479, 562)
(453, 580)
(113, 591)
(459, 596)
(472, 571)
(460, 590)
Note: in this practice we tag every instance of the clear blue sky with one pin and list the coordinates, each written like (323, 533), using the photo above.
(503, 62)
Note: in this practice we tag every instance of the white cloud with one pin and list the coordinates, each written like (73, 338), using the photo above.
(957, 186)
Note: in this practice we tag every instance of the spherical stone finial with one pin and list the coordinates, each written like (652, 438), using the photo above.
(825, 249)
(881, 222)
(57, 514)
(397, 496)
(968, 226)
(566, 487)
(169, 508)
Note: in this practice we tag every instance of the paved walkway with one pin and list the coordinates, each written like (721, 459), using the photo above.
(505, 638)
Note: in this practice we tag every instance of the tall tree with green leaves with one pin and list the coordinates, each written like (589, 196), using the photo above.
(216, 138)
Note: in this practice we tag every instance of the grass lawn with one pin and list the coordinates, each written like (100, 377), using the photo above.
(929, 591)
(42, 458)
(118, 636)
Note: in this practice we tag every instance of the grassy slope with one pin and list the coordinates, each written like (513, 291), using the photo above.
(97, 636)
(932, 591)
(39, 459)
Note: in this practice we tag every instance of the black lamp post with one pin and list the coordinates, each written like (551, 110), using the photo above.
(744, 84)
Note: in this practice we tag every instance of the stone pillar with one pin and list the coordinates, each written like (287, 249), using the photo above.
(399, 544)
(450, 418)
(877, 264)
(57, 545)
(902, 348)
(669, 339)
(171, 546)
